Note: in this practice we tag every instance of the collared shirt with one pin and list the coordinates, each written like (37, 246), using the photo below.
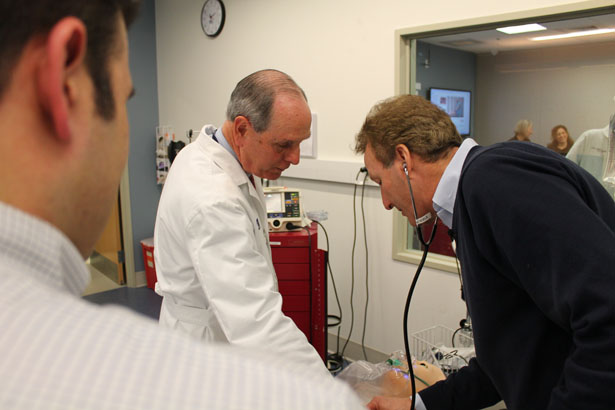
(446, 191)
(419, 405)
(61, 352)
(590, 152)
(444, 198)
(219, 136)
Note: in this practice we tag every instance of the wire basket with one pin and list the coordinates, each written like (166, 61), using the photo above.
(449, 349)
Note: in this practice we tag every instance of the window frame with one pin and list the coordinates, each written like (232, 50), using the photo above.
(405, 83)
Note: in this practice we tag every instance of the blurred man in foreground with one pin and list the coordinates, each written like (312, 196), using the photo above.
(64, 83)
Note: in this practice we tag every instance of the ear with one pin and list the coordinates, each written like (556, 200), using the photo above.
(241, 126)
(58, 74)
(402, 155)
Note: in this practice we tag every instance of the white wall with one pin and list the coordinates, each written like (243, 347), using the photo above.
(342, 54)
(436, 298)
(571, 85)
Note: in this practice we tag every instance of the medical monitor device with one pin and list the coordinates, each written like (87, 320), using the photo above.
(283, 208)
(457, 104)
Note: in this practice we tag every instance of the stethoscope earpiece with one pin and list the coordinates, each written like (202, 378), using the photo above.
(423, 218)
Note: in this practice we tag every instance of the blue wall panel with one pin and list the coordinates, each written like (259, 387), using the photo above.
(143, 114)
(448, 68)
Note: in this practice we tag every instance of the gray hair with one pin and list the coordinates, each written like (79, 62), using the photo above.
(253, 96)
(522, 126)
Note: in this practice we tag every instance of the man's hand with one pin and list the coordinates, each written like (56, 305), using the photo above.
(389, 403)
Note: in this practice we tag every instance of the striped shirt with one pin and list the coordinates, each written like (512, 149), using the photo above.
(60, 352)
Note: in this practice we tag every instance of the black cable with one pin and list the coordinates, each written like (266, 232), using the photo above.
(337, 362)
(425, 244)
(354, 243)
(328, 266)
(366, 269)
(450, 233)
(453, 337)
(407, 307)
(310, 267)
(335, 359)
(462, 323)
(307, 229)
(458, 271)
(328, 358)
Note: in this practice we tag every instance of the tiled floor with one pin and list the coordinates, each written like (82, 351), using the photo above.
(99, 283)
(142, 300)
(103, 290)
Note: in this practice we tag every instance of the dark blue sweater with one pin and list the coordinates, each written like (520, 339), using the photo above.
(535, 239)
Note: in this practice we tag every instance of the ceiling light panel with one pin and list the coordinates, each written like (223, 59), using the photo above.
(575, 34)
(525, 28)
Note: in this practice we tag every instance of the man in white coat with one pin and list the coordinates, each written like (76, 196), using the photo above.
(211, 243)
(590, 152)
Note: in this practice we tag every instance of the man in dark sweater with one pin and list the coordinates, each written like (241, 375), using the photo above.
(536, 243)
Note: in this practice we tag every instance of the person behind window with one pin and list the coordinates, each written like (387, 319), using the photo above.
(560, 140)
(523, 130)
(590, 152)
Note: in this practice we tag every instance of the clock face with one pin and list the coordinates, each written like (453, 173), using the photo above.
(212, 17)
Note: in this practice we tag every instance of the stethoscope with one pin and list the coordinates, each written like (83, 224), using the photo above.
(425, 244)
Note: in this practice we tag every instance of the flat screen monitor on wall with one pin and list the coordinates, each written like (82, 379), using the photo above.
(456, 103)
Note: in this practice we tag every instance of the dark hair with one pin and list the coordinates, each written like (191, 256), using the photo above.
(557, 127)
(253, 96)
(410, 120)
(24, 19)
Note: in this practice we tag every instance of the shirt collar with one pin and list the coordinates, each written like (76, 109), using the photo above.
(446, 191)
(40, 250)
(219, 136)
(222, 141)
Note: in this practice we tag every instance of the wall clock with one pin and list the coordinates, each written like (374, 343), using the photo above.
(212, 17)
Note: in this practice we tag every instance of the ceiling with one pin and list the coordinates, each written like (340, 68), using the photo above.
(492, 41)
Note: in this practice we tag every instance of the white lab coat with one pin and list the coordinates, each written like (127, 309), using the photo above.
(590, 152)
(213, 260)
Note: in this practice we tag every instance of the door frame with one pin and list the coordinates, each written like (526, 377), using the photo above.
(127, 236)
